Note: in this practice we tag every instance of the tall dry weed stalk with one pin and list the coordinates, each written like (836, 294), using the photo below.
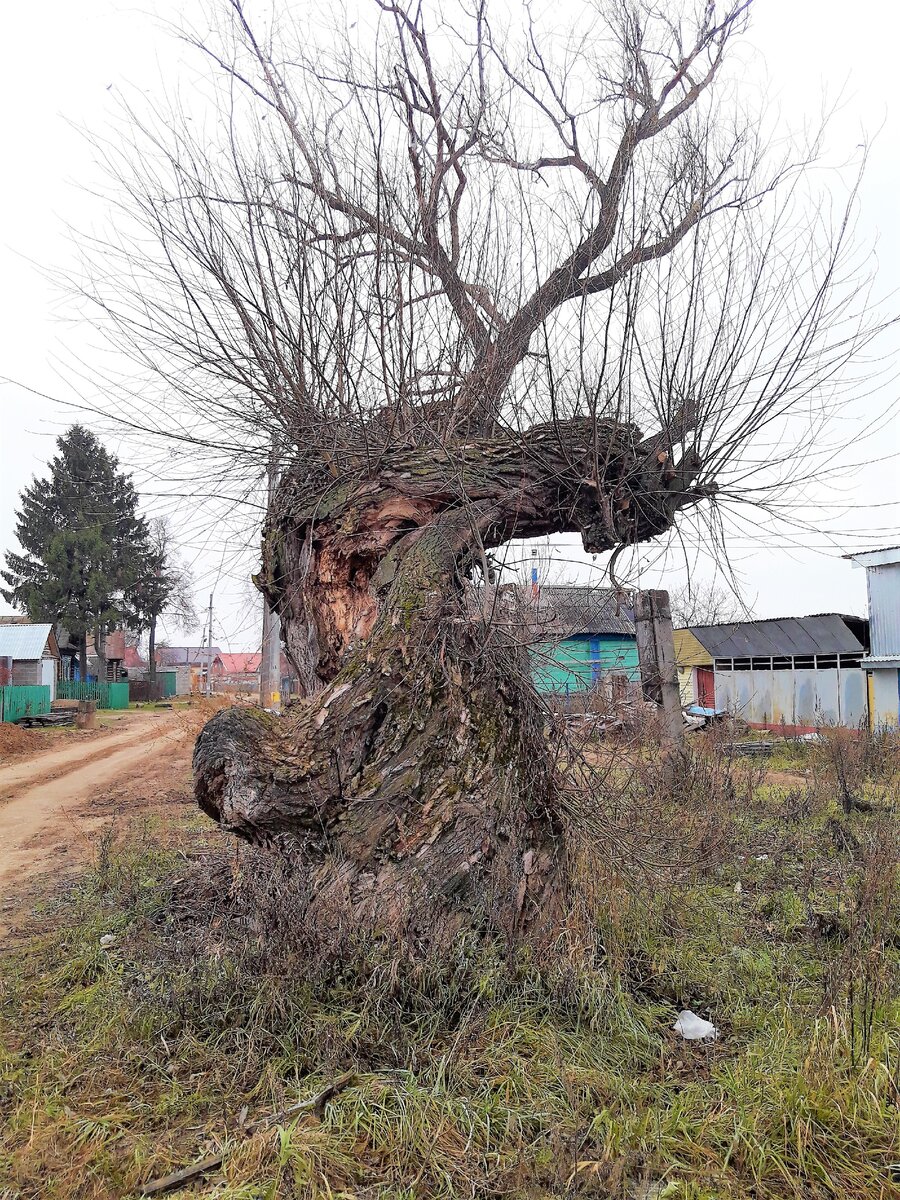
(859, 766)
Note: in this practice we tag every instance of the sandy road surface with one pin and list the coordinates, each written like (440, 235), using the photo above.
(51, 764)
(50, 804)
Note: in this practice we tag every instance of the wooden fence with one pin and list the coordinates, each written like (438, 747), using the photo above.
(16, 702)
(107, 695)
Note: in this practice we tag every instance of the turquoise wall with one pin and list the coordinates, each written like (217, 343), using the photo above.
(576, 664)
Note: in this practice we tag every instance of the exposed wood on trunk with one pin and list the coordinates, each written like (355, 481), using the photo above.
(415, 786)
(332, 548)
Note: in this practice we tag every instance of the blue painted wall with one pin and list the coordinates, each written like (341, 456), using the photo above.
(576, 664)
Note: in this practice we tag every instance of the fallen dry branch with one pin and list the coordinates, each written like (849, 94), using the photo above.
(314, 1104)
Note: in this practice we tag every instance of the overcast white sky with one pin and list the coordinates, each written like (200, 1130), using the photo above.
(64, 61)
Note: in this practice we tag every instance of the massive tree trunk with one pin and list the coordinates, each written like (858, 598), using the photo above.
(415, 783)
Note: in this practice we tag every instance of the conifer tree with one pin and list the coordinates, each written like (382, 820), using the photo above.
(83, 542)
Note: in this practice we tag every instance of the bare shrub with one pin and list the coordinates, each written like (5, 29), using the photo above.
(860, 977)
(857, 764)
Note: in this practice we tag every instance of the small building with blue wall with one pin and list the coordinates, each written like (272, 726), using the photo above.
(583, 635)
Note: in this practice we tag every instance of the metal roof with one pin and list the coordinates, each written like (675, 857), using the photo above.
(23, 642)
(582, 609)
(781, 637)
(886, 556)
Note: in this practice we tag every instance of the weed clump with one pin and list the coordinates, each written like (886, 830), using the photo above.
(180, 998)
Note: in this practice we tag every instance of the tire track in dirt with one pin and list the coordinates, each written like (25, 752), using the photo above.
(42, 818)
(56, 764)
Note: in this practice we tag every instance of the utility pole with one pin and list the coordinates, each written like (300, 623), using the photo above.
(656, 655)
(270, 659)
(209, 654)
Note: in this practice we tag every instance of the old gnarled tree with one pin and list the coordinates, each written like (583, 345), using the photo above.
(468, 283)
(418, 776)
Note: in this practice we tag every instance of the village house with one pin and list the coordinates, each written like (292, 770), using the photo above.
(883, 661)
(29, 655)
(68, 653)
(581, 635)
(197, 659)
(791, 674)
(240, 671)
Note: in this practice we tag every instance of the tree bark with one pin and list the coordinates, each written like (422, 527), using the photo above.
(151, 671)
(415, 784)
(100, 652)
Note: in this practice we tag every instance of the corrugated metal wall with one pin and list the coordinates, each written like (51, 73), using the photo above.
(884, 608)
(576, 664)
(795, 697)
(885, 698)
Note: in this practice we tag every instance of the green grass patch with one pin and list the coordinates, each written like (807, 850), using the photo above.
(168, 1004)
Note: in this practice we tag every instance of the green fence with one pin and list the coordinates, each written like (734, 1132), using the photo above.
(107, 695)
(18, 702)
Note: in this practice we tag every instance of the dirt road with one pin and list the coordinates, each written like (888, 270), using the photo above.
(52, 805)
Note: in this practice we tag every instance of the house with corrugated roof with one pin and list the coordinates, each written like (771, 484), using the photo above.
(580, 635)
(792, 674)
(197, 659)
(242, 666)
(29, 655)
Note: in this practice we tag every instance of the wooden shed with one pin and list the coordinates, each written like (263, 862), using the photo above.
(33, 654)
(583, 635)
(696, 678)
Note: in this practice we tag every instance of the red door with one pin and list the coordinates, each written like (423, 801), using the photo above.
(706, 687)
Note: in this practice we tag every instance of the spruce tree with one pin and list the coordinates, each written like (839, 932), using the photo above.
(83, 542)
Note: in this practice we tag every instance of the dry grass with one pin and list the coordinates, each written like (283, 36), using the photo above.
(770, 911)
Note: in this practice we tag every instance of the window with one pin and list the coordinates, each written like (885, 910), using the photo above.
(826, 662)
(782, 664)
(723, 664)
(761, 664)
(741, 664)
(804, 662)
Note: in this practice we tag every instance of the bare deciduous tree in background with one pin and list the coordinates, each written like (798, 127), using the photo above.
(475, 283)
(166, 589)
(707, 604)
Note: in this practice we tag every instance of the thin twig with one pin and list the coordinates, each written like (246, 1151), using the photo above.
(177, 1178)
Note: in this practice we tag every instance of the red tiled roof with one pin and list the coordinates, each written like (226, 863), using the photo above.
(132, 658)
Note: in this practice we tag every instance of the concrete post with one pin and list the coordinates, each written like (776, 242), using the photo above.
(656, 655)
